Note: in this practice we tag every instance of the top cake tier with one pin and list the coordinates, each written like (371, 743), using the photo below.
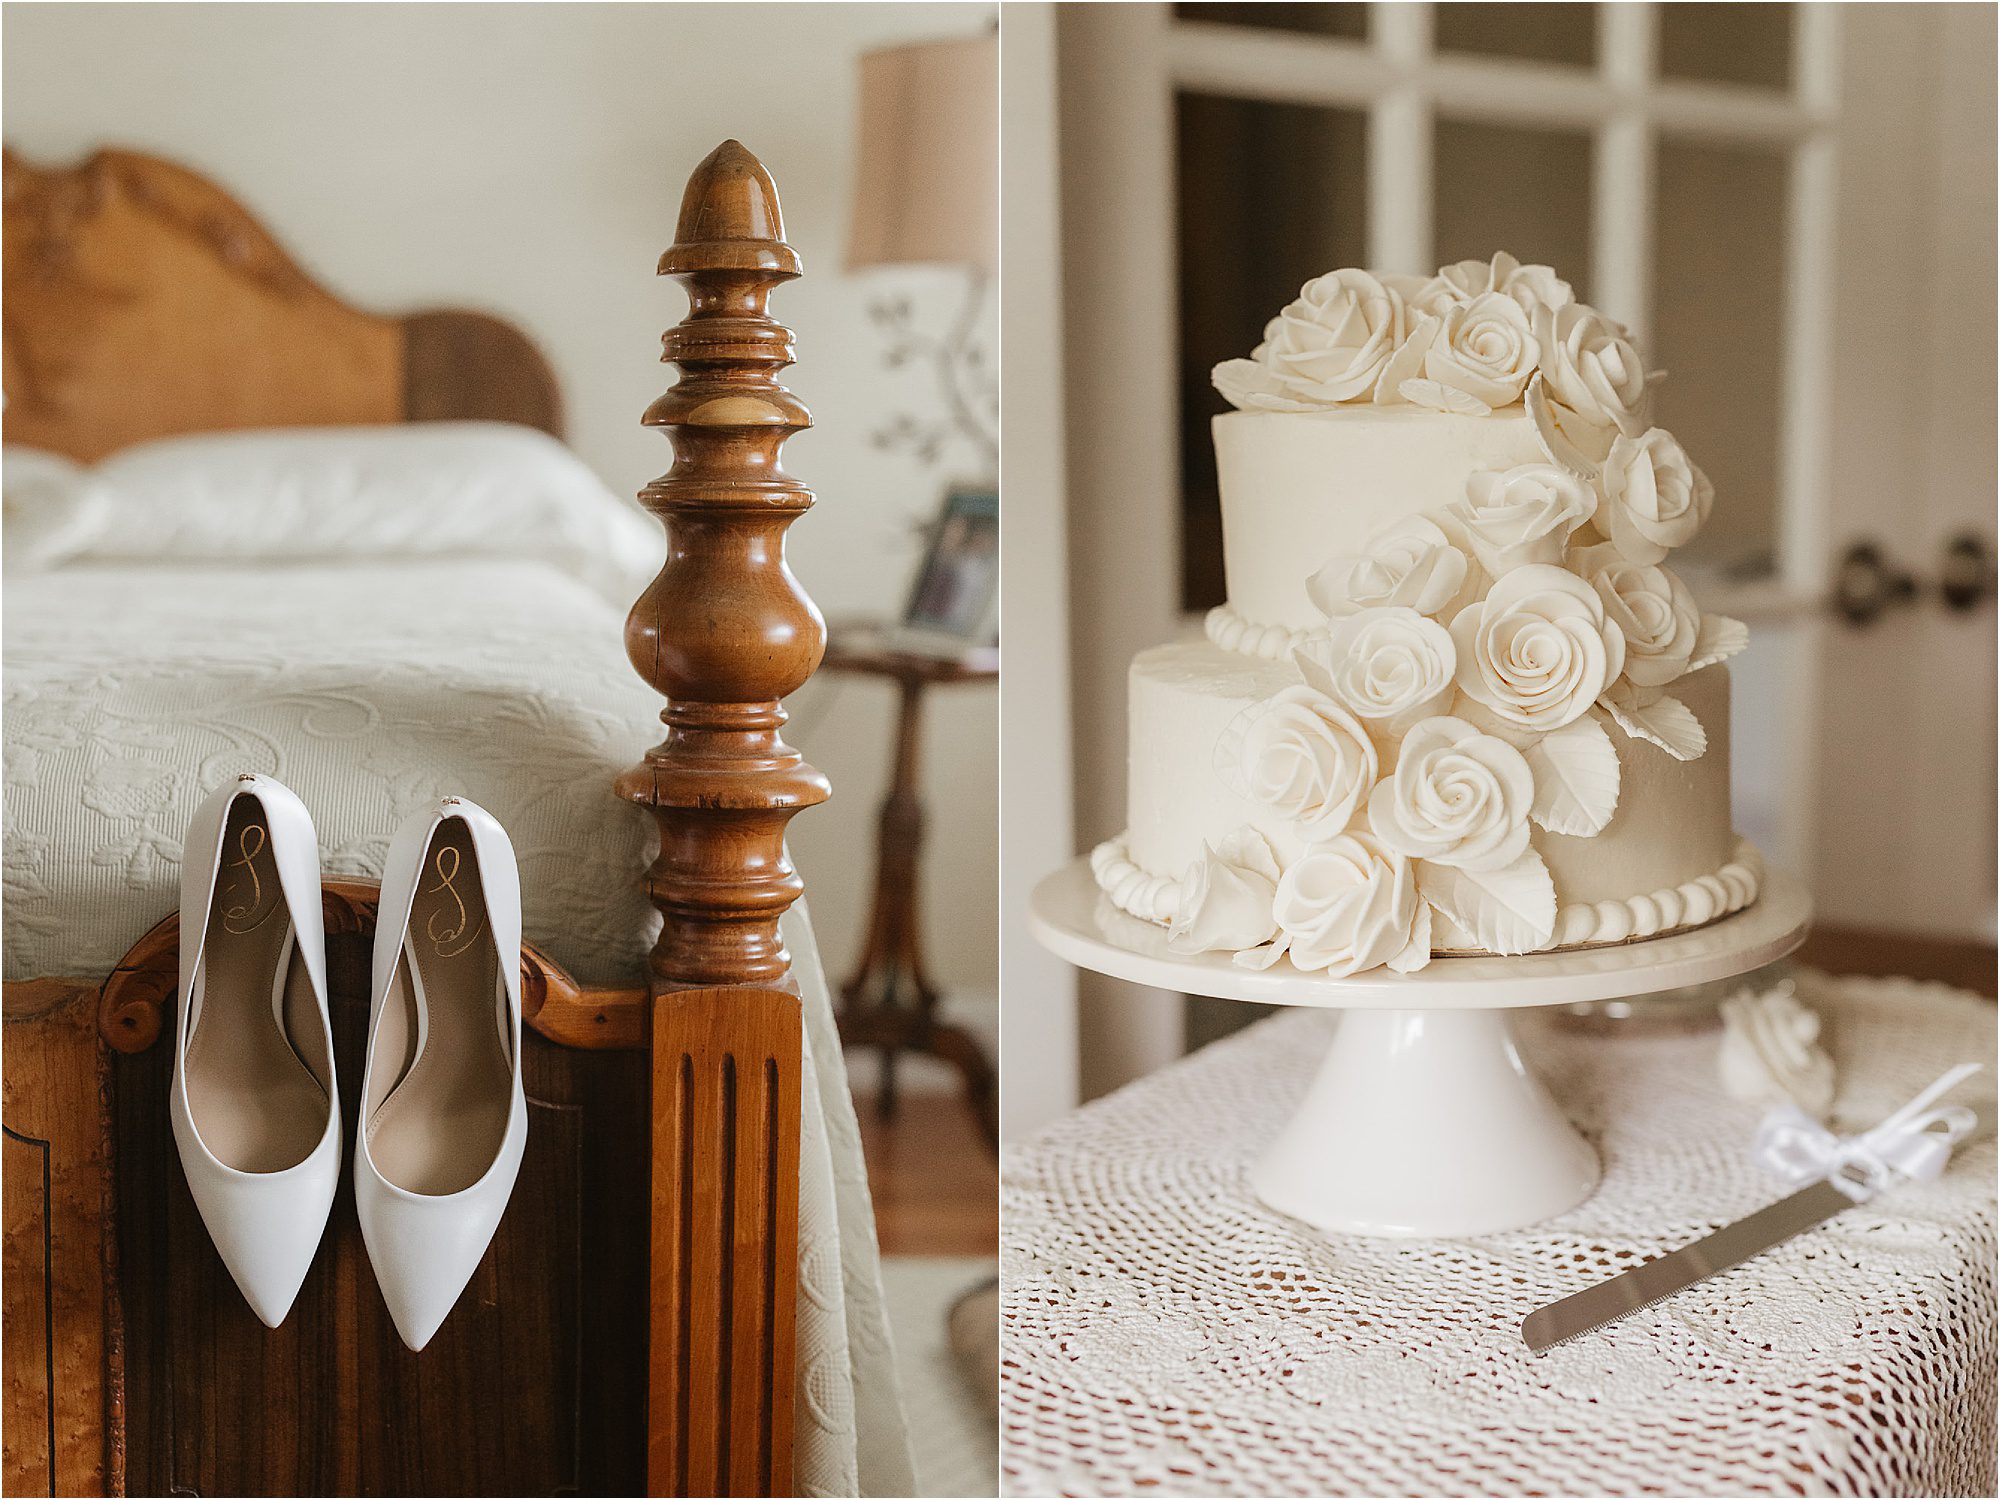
(1465, 423)
(1300, 488)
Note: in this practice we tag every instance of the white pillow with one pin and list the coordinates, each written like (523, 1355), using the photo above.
(52, 509)
(423, 489)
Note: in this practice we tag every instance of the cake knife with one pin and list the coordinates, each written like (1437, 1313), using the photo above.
(1680, 1269)
(1911, 1144)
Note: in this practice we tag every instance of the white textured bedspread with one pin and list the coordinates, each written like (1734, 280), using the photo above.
(370, 690)
(367, 689)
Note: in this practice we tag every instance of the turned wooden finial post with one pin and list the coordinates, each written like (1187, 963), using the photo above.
(725, 632)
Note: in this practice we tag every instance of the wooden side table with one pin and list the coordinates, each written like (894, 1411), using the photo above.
(890, 1002)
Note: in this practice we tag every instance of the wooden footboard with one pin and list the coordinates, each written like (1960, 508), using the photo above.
(536, 1382)
(61, 1422)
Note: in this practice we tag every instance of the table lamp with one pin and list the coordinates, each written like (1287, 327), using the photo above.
(926, 193)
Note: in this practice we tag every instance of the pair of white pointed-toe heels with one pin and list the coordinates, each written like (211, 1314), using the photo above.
(256, 1112)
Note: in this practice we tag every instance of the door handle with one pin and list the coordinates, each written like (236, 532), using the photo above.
(1869, 583)
(1966, 575)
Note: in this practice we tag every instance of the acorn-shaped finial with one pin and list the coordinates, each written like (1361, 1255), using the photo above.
(730, 218)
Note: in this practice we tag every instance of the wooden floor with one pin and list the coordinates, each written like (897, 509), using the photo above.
(936, 1185)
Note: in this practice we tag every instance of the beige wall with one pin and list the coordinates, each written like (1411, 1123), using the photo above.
(529, 159)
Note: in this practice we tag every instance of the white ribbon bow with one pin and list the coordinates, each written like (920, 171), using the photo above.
(1913, 1143)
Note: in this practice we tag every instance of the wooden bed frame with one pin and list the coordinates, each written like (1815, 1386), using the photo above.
(662, 1171)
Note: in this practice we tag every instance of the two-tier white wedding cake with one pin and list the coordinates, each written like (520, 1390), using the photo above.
(1456, 702)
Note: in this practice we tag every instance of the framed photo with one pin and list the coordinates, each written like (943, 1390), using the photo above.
(954, 603)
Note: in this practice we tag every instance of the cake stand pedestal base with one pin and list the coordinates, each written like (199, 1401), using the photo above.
(1423, 1120)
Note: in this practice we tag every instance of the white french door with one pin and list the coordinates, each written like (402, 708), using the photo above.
(1902, 815)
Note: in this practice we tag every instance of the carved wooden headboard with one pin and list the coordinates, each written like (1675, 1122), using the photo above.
(142, 301)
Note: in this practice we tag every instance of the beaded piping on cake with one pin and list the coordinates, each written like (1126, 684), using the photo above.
(1232, 632)
(1693, 903)
(1151, 898)
(1584, 924)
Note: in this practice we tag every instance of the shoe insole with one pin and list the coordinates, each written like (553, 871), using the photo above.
(441, 1125)
(256, 1103)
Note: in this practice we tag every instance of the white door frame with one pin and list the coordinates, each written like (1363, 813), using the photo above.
(1038, 1032)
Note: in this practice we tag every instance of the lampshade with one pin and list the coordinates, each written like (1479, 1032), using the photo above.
(926, 186)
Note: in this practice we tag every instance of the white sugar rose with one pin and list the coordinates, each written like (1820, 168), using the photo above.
(1388, 663)
(1566, 438)
(1652, 608)
(1402, 373)
(1537, 286)
(1330, 344)
(1539, 649)
(1460, 282)
(1225, 898)
(1483, 349)
(1522, 515)
(1404, 284)
(1531, 286)
(1309, 758)
(1464, 281)
(1349, 904)
(1457, 797)
(1251, 385)
(1413, 562)
(1590, 366)
(1654, 496)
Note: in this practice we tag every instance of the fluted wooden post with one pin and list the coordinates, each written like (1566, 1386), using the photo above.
(725, 633)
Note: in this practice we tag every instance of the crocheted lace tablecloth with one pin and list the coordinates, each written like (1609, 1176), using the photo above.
(1164, 1333)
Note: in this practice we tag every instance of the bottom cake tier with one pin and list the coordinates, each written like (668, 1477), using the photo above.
(1668, 861)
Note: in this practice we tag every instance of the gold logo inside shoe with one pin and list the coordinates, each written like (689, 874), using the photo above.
(247, 905)
(451, 930)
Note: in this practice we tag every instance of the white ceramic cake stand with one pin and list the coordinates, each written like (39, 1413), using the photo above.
(1422, 1119)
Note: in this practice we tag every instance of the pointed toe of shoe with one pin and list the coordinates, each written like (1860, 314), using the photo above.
(270, 1298)
(424, 1252)
(266, 1226)
(418, 1308)
(426, 1249)
(268, 1252)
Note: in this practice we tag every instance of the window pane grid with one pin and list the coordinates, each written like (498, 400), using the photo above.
(1335, 72)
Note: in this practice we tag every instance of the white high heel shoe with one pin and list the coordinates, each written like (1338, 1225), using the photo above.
(443, 1119)
(255, 1110)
